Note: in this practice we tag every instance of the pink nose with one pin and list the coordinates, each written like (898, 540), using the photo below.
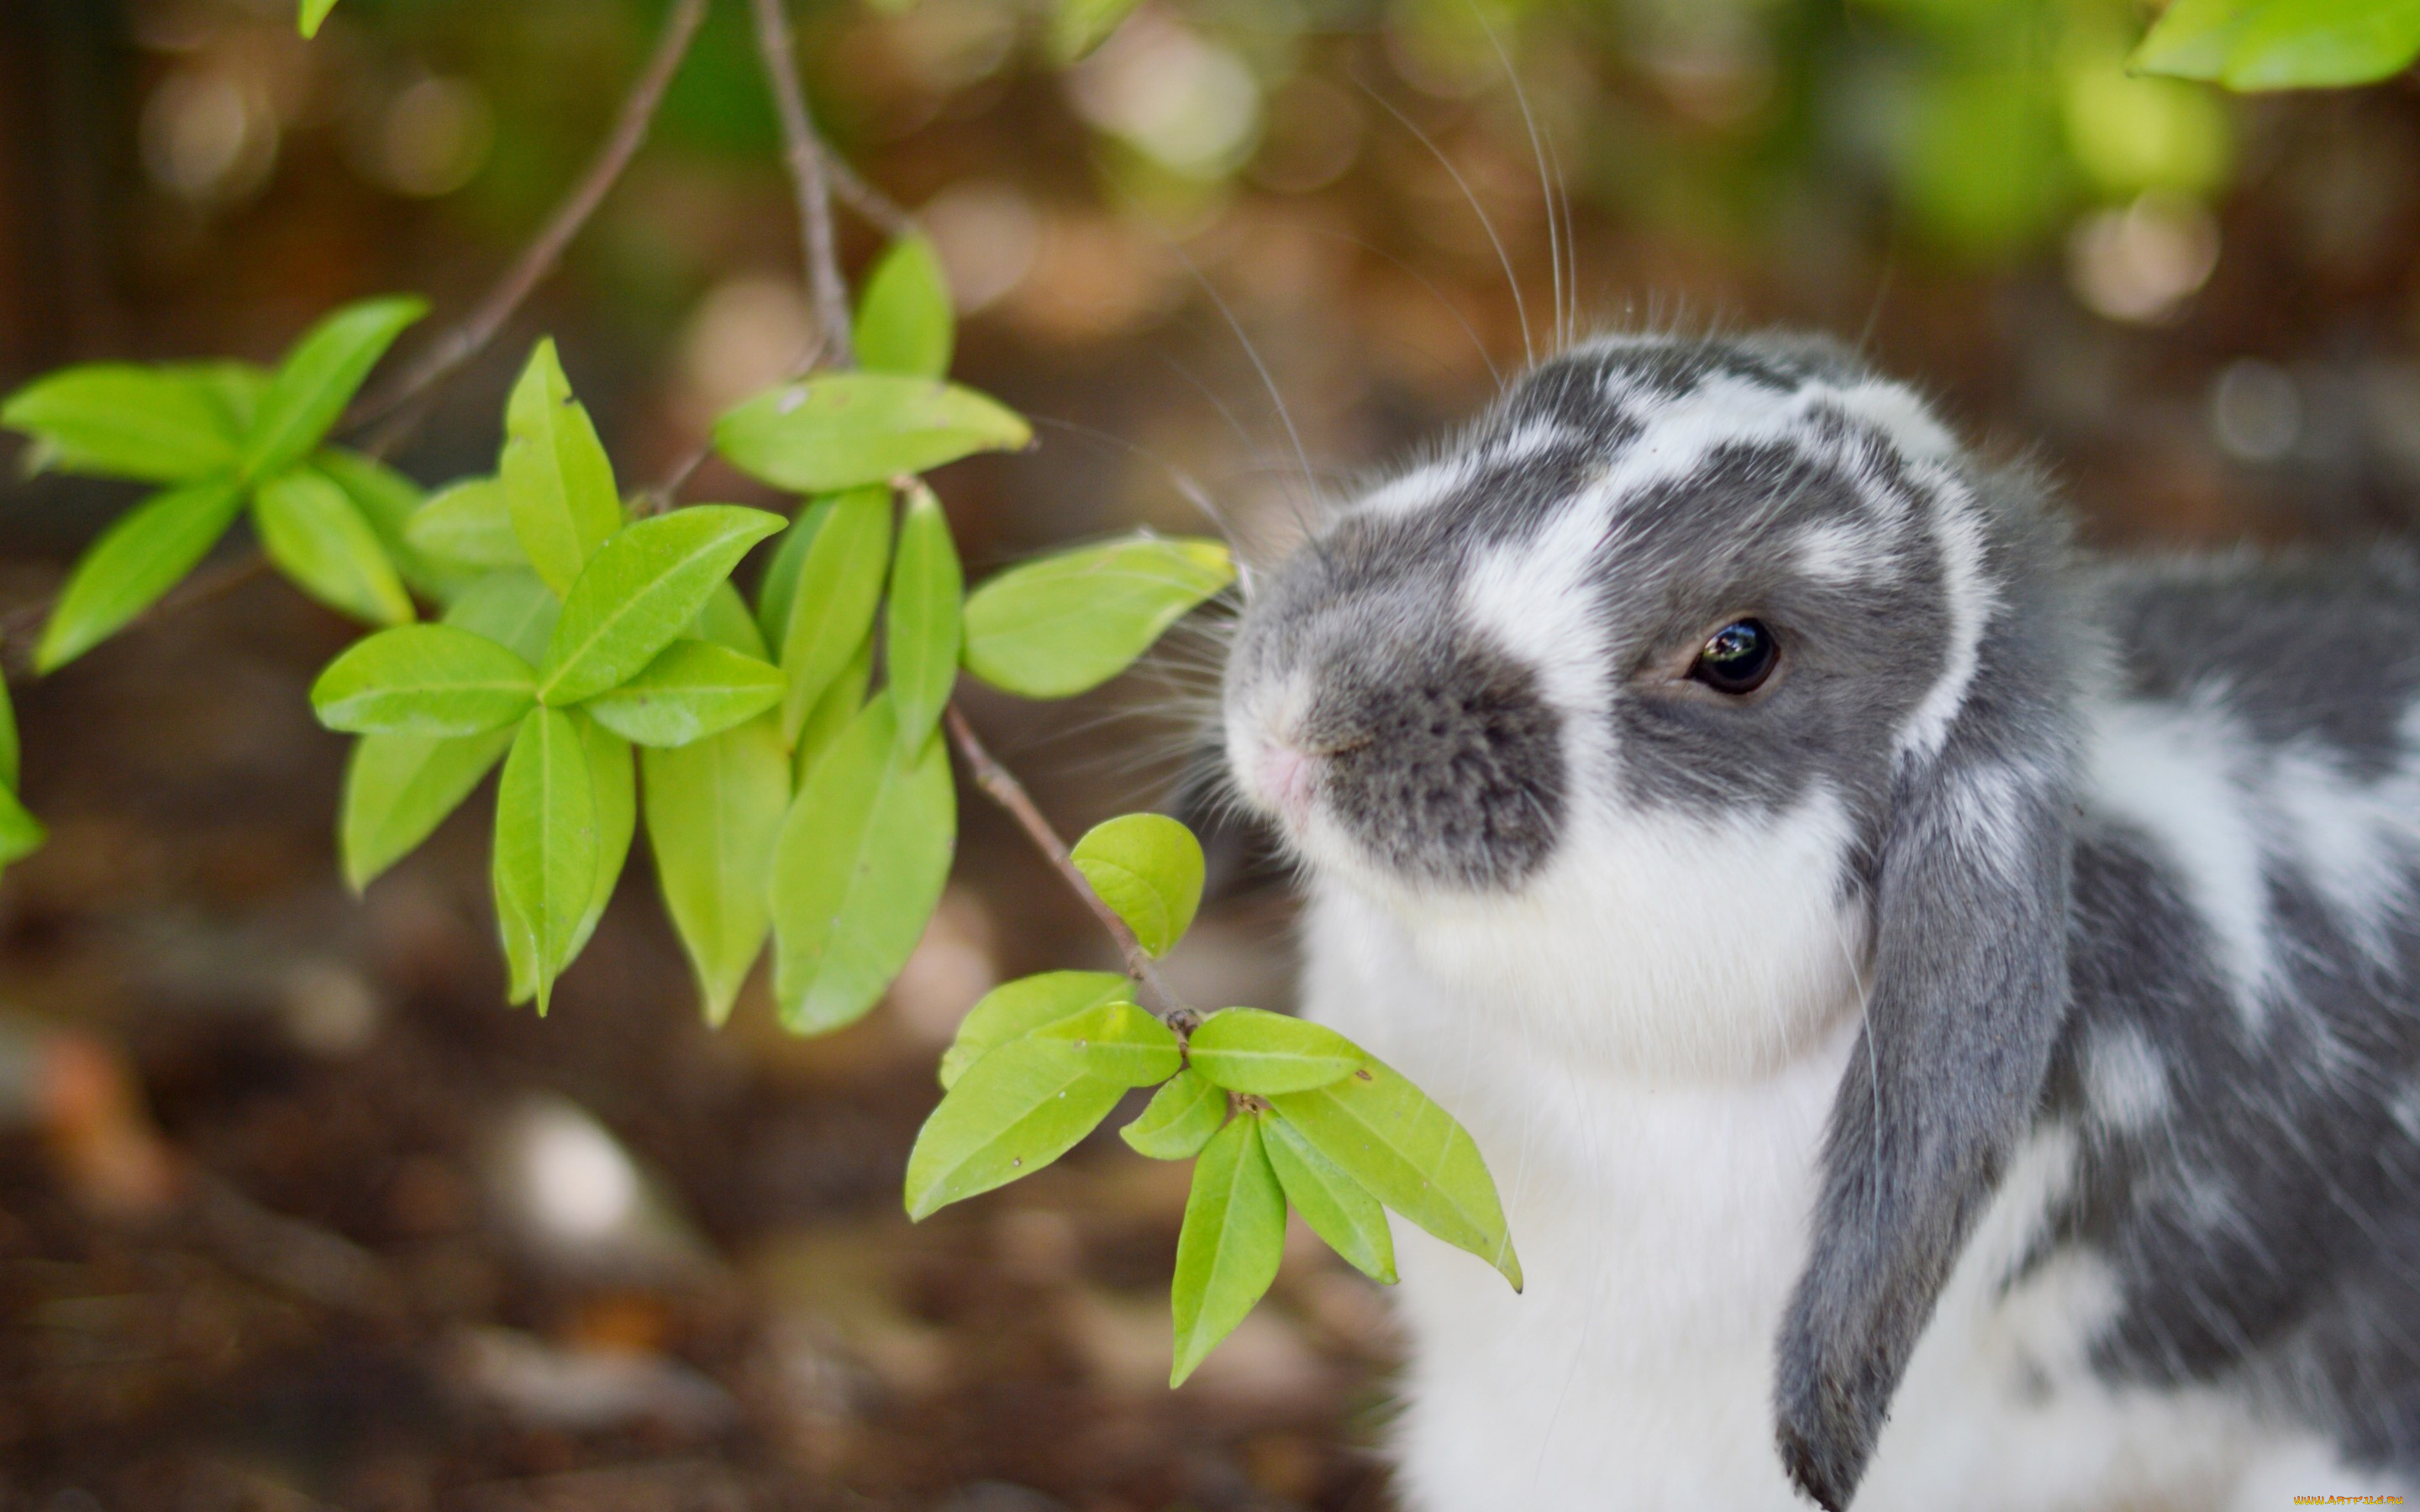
(1285, 777)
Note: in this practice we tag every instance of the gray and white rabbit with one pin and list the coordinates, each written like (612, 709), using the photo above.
(1943, 1013)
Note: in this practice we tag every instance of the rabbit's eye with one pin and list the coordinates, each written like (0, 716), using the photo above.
(1737, 659)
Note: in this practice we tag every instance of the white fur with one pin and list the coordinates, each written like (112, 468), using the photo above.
(1651, 1095)
(2125, 1078)
(1841, 552)
(1660, 1211)
(1416, 490)
(2355, 840)
(2168, 769)
(1959, 537)
(1986, 800)
(1536, 598)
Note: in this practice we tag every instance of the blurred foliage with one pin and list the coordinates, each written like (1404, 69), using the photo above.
(2283, 44)
(1980, 122)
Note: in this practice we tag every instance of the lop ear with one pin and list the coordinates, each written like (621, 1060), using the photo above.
(1966, 993)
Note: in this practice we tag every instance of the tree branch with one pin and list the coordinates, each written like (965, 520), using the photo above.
(17, 640)
(803, 152)
(397, 406)
(877, 207)
(401, 404)
(813, 174)
(1003, 787)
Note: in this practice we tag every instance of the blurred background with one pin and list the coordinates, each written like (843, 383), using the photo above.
(294, 1213)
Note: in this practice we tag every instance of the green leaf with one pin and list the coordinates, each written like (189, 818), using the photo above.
(21, 833)
(921, 644)
(693, 689)
(904, 322)
(136, 560)
(1148, 869)
(1407, 1152)
(1120, 1042)
(1332, 1203)
(1014, 1112)
(845, 430)
(726, 620)
(316, 381)
(1057, 626)
(779, 587)
(157, 425)
(8, 749)
(713, 810)
(546, 846)
(1247, 1050)
(234, 389)
(311, 529)
(861, 863)
(399, 788)
(388, 501)
(469, 525)
(558, 484)
(1179, 1119)
(2191, 38)
(834, 711)
(1228, 1251)
(832, 596)
(1016, 1009)
(314, 12)
(1081, 25)
(512, 608)
(614, 782)
(2308, 44)
(640, 591)
(423, 680)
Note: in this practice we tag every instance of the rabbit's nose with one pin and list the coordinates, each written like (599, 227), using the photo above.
(1285, 777)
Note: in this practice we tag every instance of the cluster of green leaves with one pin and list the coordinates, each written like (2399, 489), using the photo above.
(622, 681)
(1273, 1112)
(786, 756)
(215, 436)
(583, 634)
(2282, 44)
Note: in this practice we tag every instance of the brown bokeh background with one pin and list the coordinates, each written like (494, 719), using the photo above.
(295, 1214)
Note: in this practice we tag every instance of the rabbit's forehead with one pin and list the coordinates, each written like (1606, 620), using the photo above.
(1618, 505)
(1832, 504)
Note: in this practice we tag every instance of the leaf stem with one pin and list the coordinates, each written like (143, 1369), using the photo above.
(803, 152)
(1003, 787)
(399, 408)
(878, 209)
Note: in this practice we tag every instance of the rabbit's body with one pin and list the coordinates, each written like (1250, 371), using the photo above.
(2012, 1023)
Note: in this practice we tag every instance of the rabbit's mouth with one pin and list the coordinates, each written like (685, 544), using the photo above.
(1282, 777)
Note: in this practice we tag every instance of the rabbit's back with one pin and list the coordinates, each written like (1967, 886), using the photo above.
(2241, 1072)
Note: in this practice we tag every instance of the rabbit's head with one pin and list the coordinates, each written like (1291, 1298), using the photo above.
(1705, 694)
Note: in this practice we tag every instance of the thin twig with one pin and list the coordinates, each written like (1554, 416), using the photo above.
(665, 495)
(17, 640)
(402, 404)
(813, 174)
(1005, 789)
(878, 208)
(393, 409)
(803, 152)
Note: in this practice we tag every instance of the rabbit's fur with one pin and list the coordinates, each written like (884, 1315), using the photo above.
(1980, 1070)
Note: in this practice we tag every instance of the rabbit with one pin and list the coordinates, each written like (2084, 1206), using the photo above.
(1943, 1010)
